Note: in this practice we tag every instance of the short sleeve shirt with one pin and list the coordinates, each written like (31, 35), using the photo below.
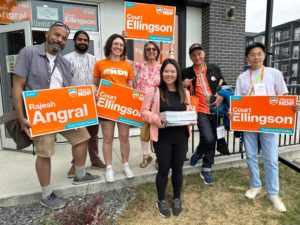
(273, 81)
(32, 64)
(117, 72)
(82, 67)
(146, 76)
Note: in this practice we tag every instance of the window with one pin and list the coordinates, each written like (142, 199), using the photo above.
(276, 65)
(277, 36)
(294, 70)
(276, 53)
(285, 35)
(285, 53)
(285, 69)
(297, 34)
(260, 39)
(295, 52)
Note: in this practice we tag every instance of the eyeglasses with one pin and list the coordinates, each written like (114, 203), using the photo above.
(60, 24)
(151, 49)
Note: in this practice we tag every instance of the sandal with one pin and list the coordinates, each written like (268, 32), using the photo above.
(146, 161)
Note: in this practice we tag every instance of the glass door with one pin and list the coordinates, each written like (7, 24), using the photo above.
(13, 38)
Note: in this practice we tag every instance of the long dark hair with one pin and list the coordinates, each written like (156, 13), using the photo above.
(178, 83)
(108, 45)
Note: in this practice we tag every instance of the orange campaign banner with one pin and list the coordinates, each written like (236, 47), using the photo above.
(265, 114)
(149, 22)
(120, 103)
(54, 110)
(14, 11)
(81, 18)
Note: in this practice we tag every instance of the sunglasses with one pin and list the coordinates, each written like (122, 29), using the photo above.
(151, 49)
(60, 24)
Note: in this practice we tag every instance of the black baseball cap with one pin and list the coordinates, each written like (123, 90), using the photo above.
(194, 47)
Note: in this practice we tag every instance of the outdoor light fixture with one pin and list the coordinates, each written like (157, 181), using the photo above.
(229, 13)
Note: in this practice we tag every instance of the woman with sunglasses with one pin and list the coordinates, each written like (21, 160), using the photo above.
(170, 143)
(115, 69)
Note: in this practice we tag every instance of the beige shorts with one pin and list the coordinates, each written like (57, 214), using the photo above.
(45, 145)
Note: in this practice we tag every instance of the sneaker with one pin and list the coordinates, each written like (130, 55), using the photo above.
(277, 203)
(53, 202)
(127, 171)
(194, 159)
(99, 165)
(71, 172)
(253, 192)
(163, 209)
(87, 178)
(109, 175)
(207, 178)
(176, 207)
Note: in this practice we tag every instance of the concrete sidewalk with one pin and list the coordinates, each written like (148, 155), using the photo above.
(19, 183)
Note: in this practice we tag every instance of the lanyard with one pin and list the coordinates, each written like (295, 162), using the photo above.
(259, 78)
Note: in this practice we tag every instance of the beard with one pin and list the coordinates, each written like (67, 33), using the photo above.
(54, 47)
(82, 48)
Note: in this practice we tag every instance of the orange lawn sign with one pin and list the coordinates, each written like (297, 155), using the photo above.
(53, 110)
(120, 103)
(149, 22)
(265, 114)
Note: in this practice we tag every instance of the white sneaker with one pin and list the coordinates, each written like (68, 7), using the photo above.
(277, 203)
(109, 174)
(127, 171)
(253, 192)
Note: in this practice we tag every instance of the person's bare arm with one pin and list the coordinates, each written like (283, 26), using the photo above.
(18, 87)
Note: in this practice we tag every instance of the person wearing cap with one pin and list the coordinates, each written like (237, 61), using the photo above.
(204, 80)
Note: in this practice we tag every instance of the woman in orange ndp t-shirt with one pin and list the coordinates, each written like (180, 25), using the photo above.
(114, 68)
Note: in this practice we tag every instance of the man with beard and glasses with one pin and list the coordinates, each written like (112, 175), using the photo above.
(82, 67)
(41, 67)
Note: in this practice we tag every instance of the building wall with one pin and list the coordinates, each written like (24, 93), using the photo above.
(224, 40)
(193, 29)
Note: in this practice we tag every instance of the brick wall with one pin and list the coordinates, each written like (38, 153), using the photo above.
(224, 40)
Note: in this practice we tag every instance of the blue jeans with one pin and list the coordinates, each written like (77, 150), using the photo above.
(207, 126)
(269, 146)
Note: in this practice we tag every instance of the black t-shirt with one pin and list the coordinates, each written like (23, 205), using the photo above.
(172, 134)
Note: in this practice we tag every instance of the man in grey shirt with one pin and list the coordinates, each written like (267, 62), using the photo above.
(41, 67)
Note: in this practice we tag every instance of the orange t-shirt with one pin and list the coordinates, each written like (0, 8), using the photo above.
(118, 72)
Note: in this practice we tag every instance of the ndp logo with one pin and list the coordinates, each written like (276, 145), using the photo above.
(164, 11)
(273, 101)
(72, 92)
(281, 101)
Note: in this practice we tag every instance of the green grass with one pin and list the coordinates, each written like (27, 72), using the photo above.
(224, 203)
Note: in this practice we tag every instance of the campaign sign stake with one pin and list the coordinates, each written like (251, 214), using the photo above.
(54, 110)
(149, 22)
(120, 103)
(265, 114)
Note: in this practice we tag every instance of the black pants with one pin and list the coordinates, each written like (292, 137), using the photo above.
(207, 126)
(170, 156)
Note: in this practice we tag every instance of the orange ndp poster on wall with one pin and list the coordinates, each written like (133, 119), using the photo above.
(14, 11)
(54, 110)
(149, 22)
(120, 103)
(266, 114)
